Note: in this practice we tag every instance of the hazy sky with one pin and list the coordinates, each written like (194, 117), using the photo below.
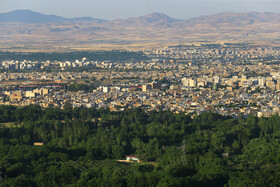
(113, 9)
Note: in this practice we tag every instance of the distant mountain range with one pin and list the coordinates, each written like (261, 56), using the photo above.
(22, 29)
(28, 16)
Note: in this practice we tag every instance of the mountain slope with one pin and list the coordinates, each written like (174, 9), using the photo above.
(152, 18)
(31, 29)
(235, 19)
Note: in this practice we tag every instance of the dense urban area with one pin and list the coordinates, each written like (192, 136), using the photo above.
(235, 79)
(198, 114)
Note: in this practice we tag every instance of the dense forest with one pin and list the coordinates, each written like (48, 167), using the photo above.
(72, 56)
(81, 147)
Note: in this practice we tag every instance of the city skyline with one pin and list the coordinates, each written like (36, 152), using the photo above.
(125, 9)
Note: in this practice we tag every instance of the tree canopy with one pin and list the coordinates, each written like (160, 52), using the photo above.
(81, 146)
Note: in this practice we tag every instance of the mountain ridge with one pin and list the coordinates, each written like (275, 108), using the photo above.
(29, 16)
(51, 31)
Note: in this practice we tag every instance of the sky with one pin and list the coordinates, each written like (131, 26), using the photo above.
(114, 9)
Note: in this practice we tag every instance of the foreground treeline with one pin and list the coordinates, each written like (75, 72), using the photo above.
(81, 147)
(114, 55)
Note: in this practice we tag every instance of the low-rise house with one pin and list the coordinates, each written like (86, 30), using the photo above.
(132, 158)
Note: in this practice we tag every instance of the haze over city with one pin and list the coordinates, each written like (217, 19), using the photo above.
(110, 10)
